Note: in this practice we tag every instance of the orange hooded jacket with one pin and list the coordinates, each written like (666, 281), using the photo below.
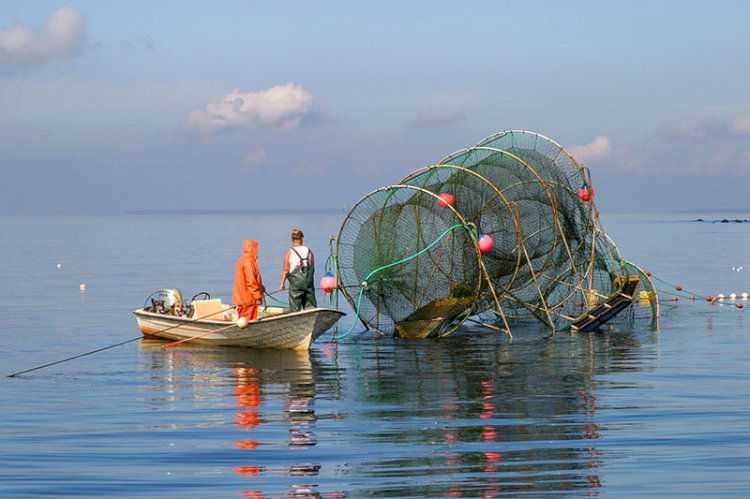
(248, 287)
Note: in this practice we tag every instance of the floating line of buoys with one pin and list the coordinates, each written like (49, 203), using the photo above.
(722, 298)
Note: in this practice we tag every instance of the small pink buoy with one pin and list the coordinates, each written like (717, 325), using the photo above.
(485, 243)
(446, 200)
(328, 282)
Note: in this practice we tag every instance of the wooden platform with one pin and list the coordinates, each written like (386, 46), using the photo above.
(434, 319)
(594, 318)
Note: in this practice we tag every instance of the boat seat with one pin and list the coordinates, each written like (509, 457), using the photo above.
(209, 309)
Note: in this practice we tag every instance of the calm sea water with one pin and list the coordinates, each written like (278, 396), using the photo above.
(627, 411)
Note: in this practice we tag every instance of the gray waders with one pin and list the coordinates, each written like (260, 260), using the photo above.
(302, 286)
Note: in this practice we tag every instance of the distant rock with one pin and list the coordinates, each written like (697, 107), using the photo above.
(725, 221)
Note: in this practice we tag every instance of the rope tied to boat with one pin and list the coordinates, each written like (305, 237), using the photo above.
(111, 346)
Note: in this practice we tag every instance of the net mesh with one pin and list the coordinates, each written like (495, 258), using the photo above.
(395, 267)
(410, 262)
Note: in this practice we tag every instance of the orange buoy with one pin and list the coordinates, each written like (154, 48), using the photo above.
(709, 298)
(678, 287)
(648, 273)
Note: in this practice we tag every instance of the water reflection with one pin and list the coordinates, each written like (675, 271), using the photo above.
(247, 392)
(472, 417)
(468, 416)
(257, 377)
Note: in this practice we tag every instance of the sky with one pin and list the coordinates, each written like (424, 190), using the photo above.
(121, 106)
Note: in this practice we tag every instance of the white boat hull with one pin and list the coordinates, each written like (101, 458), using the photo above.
(290, 331)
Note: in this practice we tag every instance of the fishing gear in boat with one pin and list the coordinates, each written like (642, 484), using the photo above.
(169, 301)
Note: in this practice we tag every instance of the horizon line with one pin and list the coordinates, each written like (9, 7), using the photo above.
(268, 211)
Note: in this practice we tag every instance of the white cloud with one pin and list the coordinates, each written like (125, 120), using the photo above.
(732, 161)
(434, 117)
(253, 159)
(723, 161)
(689, 128)
(282, 107)
(307, 168)
(740, 126)
(62, 37)
(597, 150)
(708, 128)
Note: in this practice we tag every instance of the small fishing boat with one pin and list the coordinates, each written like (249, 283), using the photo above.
(210, 322)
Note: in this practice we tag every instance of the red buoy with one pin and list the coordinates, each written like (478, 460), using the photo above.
(678, 287)
(446, 200)
(740, 305)
(485, 243)
(709, 298)
(648, 273)
(586, 193)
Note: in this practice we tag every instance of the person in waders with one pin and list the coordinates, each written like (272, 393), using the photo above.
(299, 270)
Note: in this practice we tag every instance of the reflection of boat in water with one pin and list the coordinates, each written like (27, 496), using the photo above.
(279, 366)
(276, 329)
(270, 394)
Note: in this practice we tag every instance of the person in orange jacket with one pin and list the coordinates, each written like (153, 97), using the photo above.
(248, 286)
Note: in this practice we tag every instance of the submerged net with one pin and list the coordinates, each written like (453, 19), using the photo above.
(409, 256)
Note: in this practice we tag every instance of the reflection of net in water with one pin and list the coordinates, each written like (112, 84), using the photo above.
(410, 263)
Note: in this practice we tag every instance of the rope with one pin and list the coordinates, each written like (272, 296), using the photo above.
(680, 292)
(690, 293)
(280, 302)
(403, 260)
(74, 357)
(108, 347)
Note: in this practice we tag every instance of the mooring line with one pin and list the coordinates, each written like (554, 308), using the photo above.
(110, 346)
(74, 357)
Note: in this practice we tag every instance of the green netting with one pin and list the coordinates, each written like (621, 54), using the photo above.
(411, 264)
(395, 224)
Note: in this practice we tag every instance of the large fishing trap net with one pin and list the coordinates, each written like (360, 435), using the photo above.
(503, 232)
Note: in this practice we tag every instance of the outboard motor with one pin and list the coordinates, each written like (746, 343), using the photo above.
(167, 301)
